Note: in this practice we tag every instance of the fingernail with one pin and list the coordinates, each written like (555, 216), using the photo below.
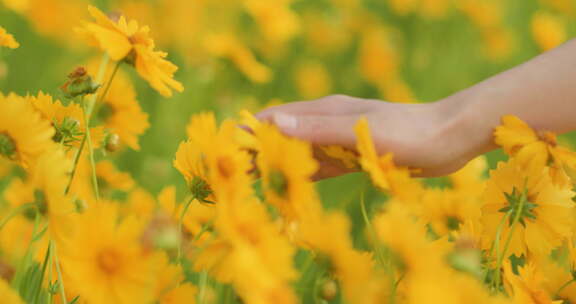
(285, 121)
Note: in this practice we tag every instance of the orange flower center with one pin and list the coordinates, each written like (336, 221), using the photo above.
(109, 261)
(548, 137)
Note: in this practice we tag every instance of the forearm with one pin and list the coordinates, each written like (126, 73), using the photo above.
(541, 92)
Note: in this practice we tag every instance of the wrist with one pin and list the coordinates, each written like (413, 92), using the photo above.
(468, 129)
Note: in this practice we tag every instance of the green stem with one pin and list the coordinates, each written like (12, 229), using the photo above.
(180, 220)
(107, 86)
(90, 151)
(14, 212)
(59, 272)
(202, 285)
(91, 101)
(76, 160)
(508, 240)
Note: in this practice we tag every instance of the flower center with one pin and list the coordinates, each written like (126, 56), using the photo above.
(548, 137)
(278, 182)
(106, 111)
(225, 167)
(109, 261)
(7, 146)
(200, 189)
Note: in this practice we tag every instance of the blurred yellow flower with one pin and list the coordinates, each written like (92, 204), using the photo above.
(24, 135)
(289, 188)
(104, 260)
(121, 113)
(111, 179)
(527, 287)
(7, 40)
(312, 80)
(548, 30)
(125, 40)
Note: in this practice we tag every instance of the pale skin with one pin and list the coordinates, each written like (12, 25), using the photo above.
(442, 136)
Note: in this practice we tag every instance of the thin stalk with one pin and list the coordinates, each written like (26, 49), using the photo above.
(91, 101)
(496, 243)
(202, 285)
(180, 220)
(90, 151)
(106, 87)
(76, 160)
(59, 272)
(508, 240)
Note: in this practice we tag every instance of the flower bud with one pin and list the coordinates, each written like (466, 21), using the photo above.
(79, 84)
(112, 142)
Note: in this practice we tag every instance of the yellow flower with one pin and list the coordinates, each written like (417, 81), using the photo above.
(125, 40)
(170, 289)
(228, 46)
(111, 179)
(104, 260)
(382, 170)
(9, 295)
(7, 40)
(286, 186)
(447, 211)
(527, 287)
(379, 59)
(24, 135)
(328, 236)
(548, 30)
(275, 19)
(534, 150)
(544, 211)
(470, 179)
(121, 113)
(312, 80)
(348, 158)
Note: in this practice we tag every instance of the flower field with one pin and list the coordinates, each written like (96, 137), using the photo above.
(133, 169)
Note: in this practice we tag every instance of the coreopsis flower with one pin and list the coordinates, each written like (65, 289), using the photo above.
(470, 179)
(527, 287)
(543, 211)
(170, 289)
(227, 46)
(275, 20)
(534, 150)
(286, 186)
(9, 295)
(42, 195)
(111, 179)
(312, 80)
(126, 40)
(120, 112)
(548, 30)
(104, 260)
(7, 40)
(382, 170)
(447, 211)
(379, 59)
(328, 235)
(24, 135)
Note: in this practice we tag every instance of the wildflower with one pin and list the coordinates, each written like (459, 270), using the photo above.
(276, 20)
(527, 286)
(312, 80)
(227, 46)
(170, 289)
(120, 112)
(286, 186)
(7, 40)
(548, 30)
(447, 211)
(382, 170)
(126, 40)
(23, 133)
(534, 150)
(328, 235)
(111, 179)
(543, 211)
(104, 261)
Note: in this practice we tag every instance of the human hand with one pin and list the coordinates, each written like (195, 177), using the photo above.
(433, 137)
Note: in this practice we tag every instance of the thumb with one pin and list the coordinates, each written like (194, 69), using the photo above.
(319, 130)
